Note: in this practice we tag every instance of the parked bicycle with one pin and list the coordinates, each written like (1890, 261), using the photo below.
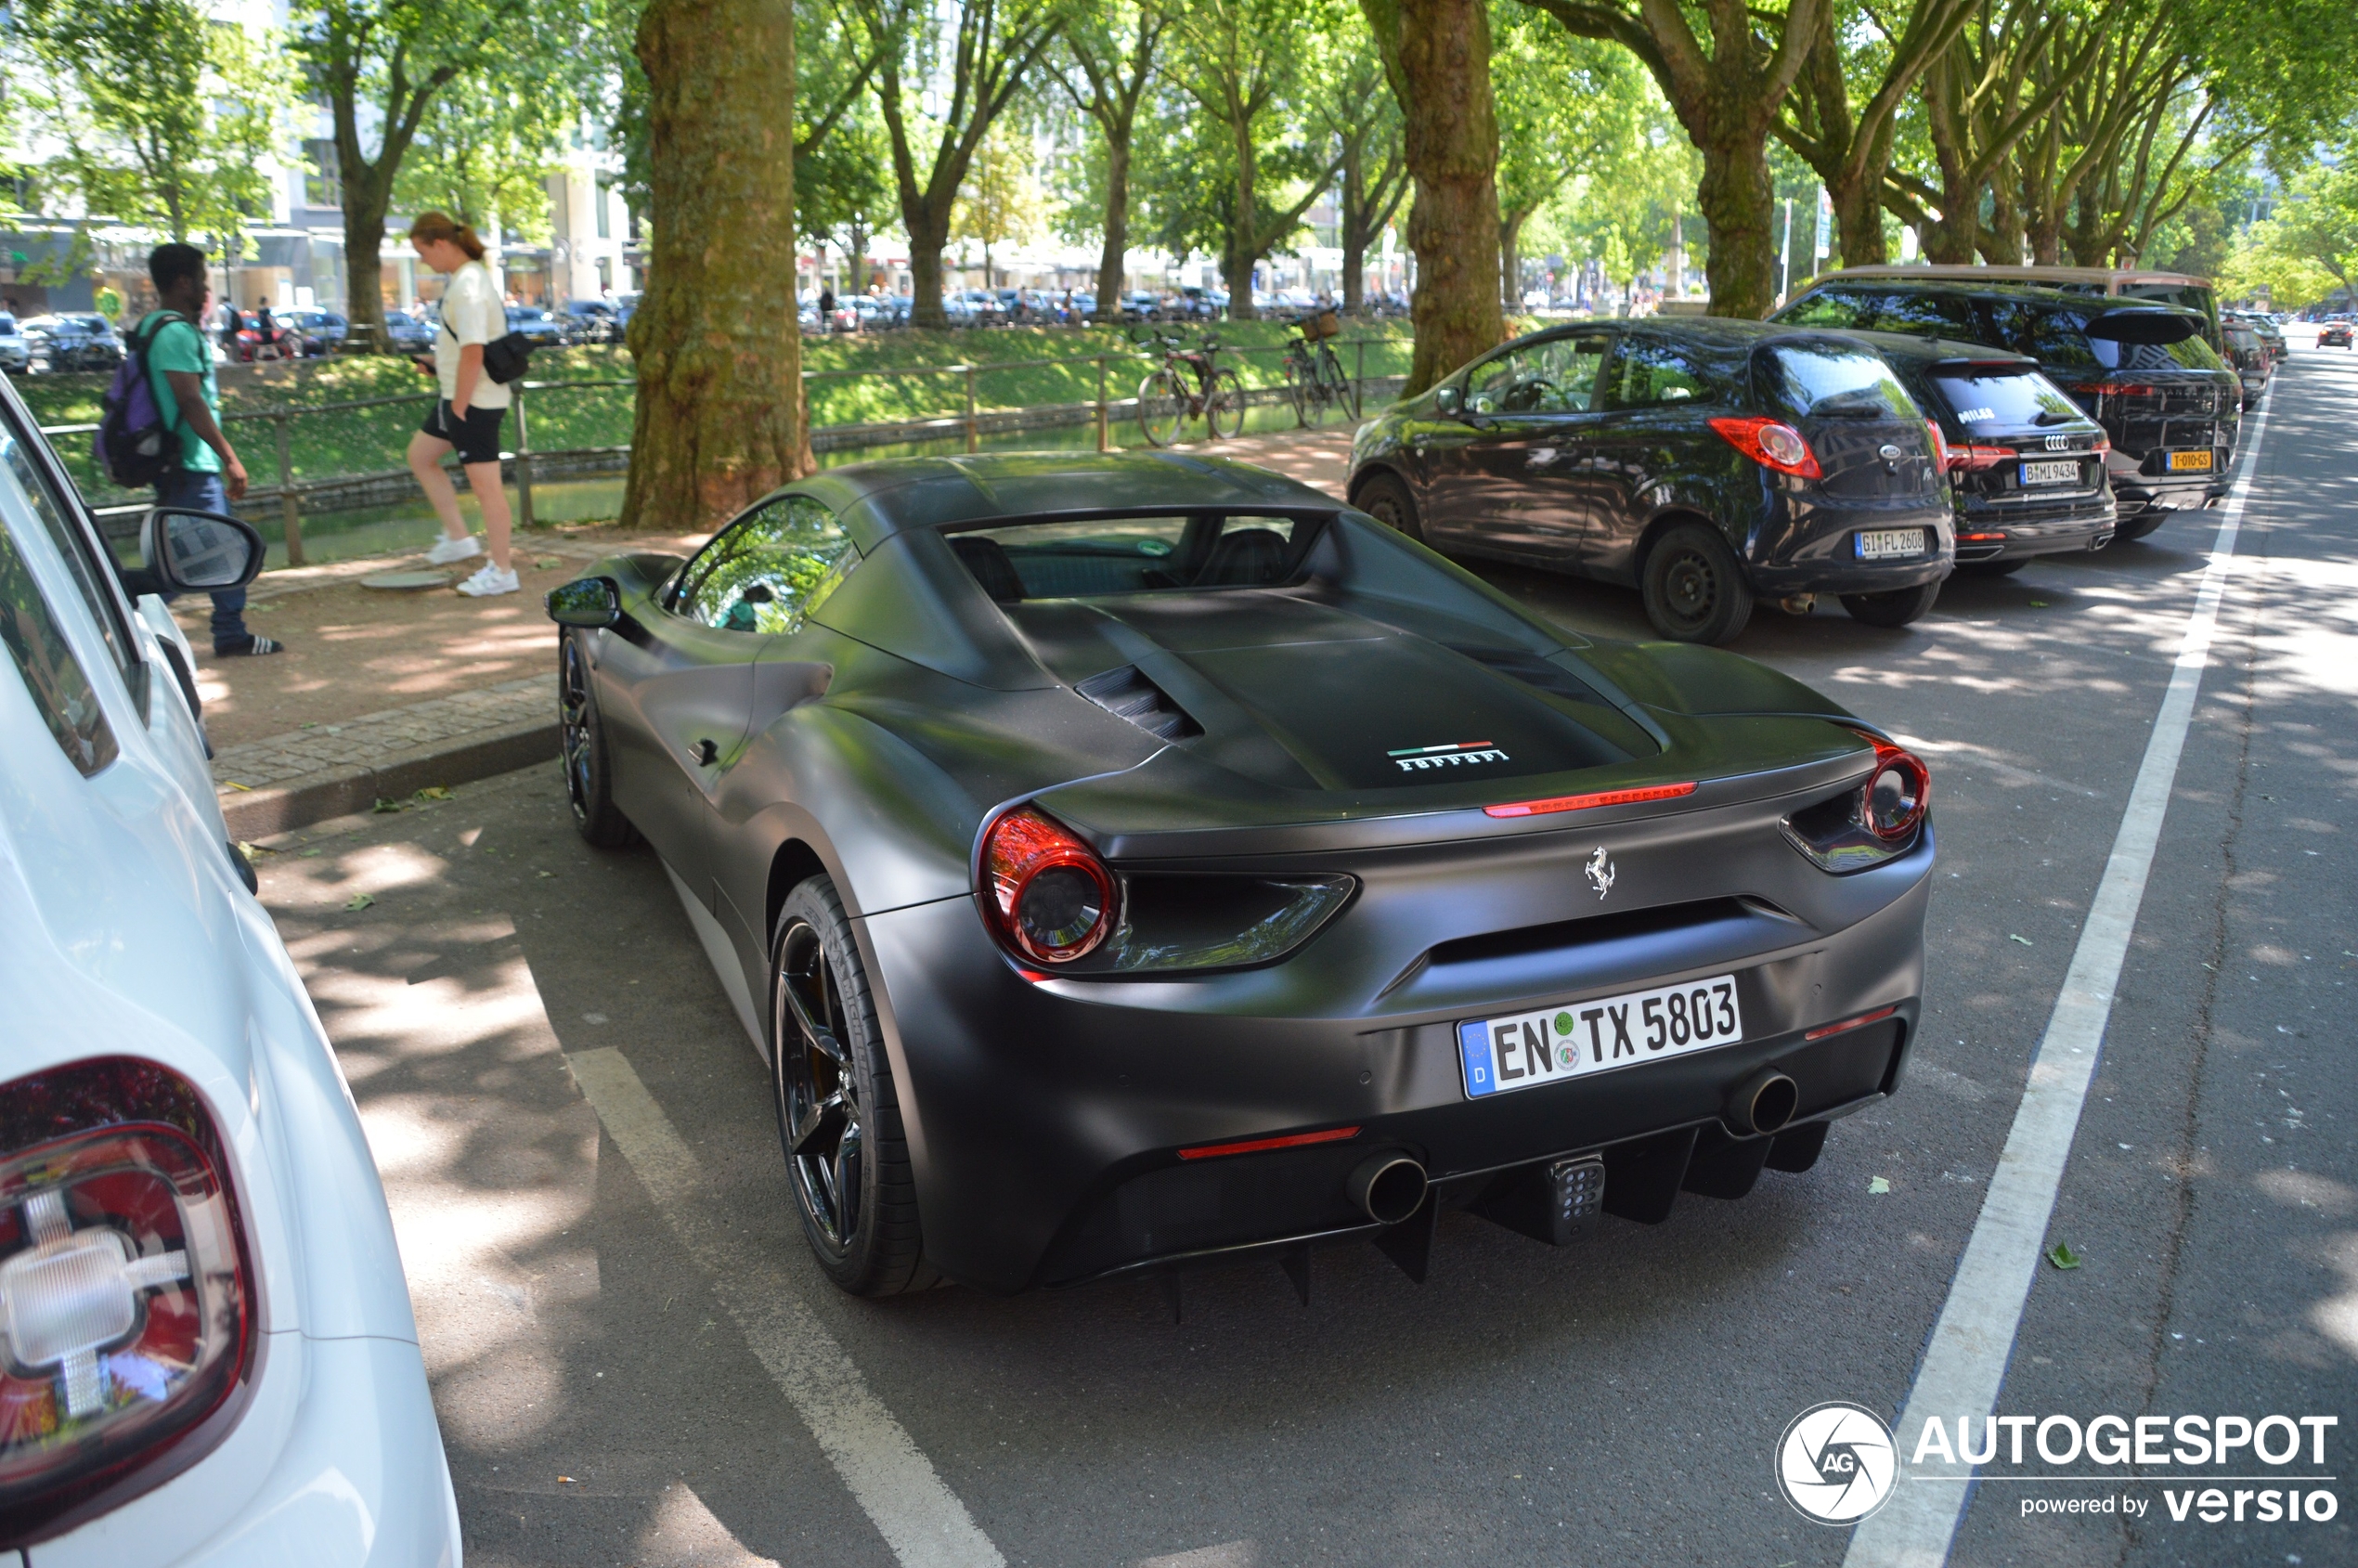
(1314, 375)
(1188, 386)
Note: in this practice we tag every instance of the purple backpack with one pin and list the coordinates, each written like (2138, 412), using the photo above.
(134, 446)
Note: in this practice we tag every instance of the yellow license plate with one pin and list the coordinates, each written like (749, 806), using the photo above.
(2181, 461)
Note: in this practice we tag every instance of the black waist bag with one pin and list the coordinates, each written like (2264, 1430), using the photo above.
(506, 359)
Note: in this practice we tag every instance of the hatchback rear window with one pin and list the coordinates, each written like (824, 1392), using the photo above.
(1990, 402)
(2193, 353)
(1090, 558)
(1823, 381)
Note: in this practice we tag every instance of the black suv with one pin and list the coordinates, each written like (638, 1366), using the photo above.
(2144, 371)
(2026, 465)
(1707, 463)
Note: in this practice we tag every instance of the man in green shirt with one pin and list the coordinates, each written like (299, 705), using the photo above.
(208, 476)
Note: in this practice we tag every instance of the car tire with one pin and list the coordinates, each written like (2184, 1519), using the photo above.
(2005, 568)
(1896, 608)
(2137, 527)
(1385, 498)
(581, 735)
(838, 1115)
(1695, 587)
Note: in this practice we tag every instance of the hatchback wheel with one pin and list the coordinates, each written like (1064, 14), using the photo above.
(1387, 500)
(1694, 589)
(839, 1118)
(1897, 607)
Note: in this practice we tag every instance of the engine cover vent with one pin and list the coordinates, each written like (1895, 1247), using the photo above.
(1127, 694)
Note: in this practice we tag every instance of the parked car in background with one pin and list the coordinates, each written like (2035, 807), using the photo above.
(2180, 289)
(2025, 464)
(1140, 305)
(2335, 334)
(2271, 333)
(975, 307)
(324, 331)
(210, 1351)
(1709, 463)
(2250, 356)
(16, 353)
(409, 333)
(543, 329)
(2170, 406)
(77, 340)
(594, 321)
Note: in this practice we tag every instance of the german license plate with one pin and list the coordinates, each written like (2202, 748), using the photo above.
(1582, 1039)
(2182, 462)
(1884, 544)
(2051, 473)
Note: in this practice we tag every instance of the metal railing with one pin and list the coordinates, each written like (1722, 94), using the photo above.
(968, 419)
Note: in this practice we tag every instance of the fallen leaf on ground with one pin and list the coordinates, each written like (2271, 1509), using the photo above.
(547, 562)
(232, 784)
(1878, 1184)
(434, 792)
(251, 850)
(2024, 940)
(359, 901)
(384, 805)
(2061, 1256)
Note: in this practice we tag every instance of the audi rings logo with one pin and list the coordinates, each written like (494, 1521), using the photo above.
(1835, 1462)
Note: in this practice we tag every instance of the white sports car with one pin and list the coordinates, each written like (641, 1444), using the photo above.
(206, 1349)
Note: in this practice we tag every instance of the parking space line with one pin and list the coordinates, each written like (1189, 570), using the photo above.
(920, 1518)
(1964, 1362)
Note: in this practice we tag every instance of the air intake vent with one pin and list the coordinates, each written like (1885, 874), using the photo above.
(1126, 693)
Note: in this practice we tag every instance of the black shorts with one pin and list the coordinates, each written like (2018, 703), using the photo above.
(476, 436)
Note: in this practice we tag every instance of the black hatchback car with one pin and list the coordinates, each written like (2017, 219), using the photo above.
(2025, 464)
(1707, 463)
(2145, 372)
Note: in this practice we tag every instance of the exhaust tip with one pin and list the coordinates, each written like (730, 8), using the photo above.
(1763, 1103)
(1387, 1187)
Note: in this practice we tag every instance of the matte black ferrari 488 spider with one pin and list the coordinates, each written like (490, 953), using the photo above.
(1129, 861)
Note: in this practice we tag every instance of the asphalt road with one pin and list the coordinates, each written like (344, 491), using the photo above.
(631, 1350)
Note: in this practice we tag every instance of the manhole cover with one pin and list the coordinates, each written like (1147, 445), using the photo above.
(406, 582)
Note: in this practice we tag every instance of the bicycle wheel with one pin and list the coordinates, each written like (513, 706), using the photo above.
(1162, 407)
(1301, 389)
(1225, 409)
(1345, 390)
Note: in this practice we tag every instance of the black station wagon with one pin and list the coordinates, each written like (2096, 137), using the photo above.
(1709, 463)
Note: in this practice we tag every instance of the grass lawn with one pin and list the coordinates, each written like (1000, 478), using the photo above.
(372, 440)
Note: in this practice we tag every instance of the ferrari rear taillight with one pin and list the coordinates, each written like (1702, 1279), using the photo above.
(1045, 892)
(1867, 825)
(1773, 444)
(128, 1304)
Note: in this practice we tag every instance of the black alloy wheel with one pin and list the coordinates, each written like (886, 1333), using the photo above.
(582, 744)
(1694, 589)
(1386, 500)
(1896, 608)
(838, 1118)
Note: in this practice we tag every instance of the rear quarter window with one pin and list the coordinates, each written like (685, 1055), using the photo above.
(2050, 335)
(1990, 404)
(1824, 381)
(2194, 354)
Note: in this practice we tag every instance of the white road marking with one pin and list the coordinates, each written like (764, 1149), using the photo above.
(1965, 1363)
(920, 1518)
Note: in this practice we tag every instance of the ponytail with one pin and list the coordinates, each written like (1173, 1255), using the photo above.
(430, 227)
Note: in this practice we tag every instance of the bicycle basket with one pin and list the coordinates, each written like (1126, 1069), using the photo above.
(1322, 324)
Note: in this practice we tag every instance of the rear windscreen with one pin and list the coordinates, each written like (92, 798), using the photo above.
(1095, 557)
(1824, 382)
(2193, 353)
(1989, 404)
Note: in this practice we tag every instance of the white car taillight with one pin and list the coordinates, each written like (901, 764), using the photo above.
(126, 1302)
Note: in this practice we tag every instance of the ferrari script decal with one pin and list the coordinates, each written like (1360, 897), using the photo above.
(1456, 753)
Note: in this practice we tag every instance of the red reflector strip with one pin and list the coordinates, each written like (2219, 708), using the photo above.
(1255, 1145)
(1585, 802)
(1969, 539)
(1879, 1013)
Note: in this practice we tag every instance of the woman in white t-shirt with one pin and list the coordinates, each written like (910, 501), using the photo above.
(472, 407)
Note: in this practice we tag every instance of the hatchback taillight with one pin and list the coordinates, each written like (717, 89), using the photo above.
(1773, 444)
(127, 1305)
(1045, 892)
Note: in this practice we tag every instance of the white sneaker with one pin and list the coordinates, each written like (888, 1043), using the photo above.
(488, 582)
(446, 549)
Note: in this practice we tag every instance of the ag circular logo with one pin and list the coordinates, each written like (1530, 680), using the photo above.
(1835, 1462)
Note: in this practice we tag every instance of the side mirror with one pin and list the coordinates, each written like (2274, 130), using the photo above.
(1448, 400)
(199, 551)
(593, 602)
